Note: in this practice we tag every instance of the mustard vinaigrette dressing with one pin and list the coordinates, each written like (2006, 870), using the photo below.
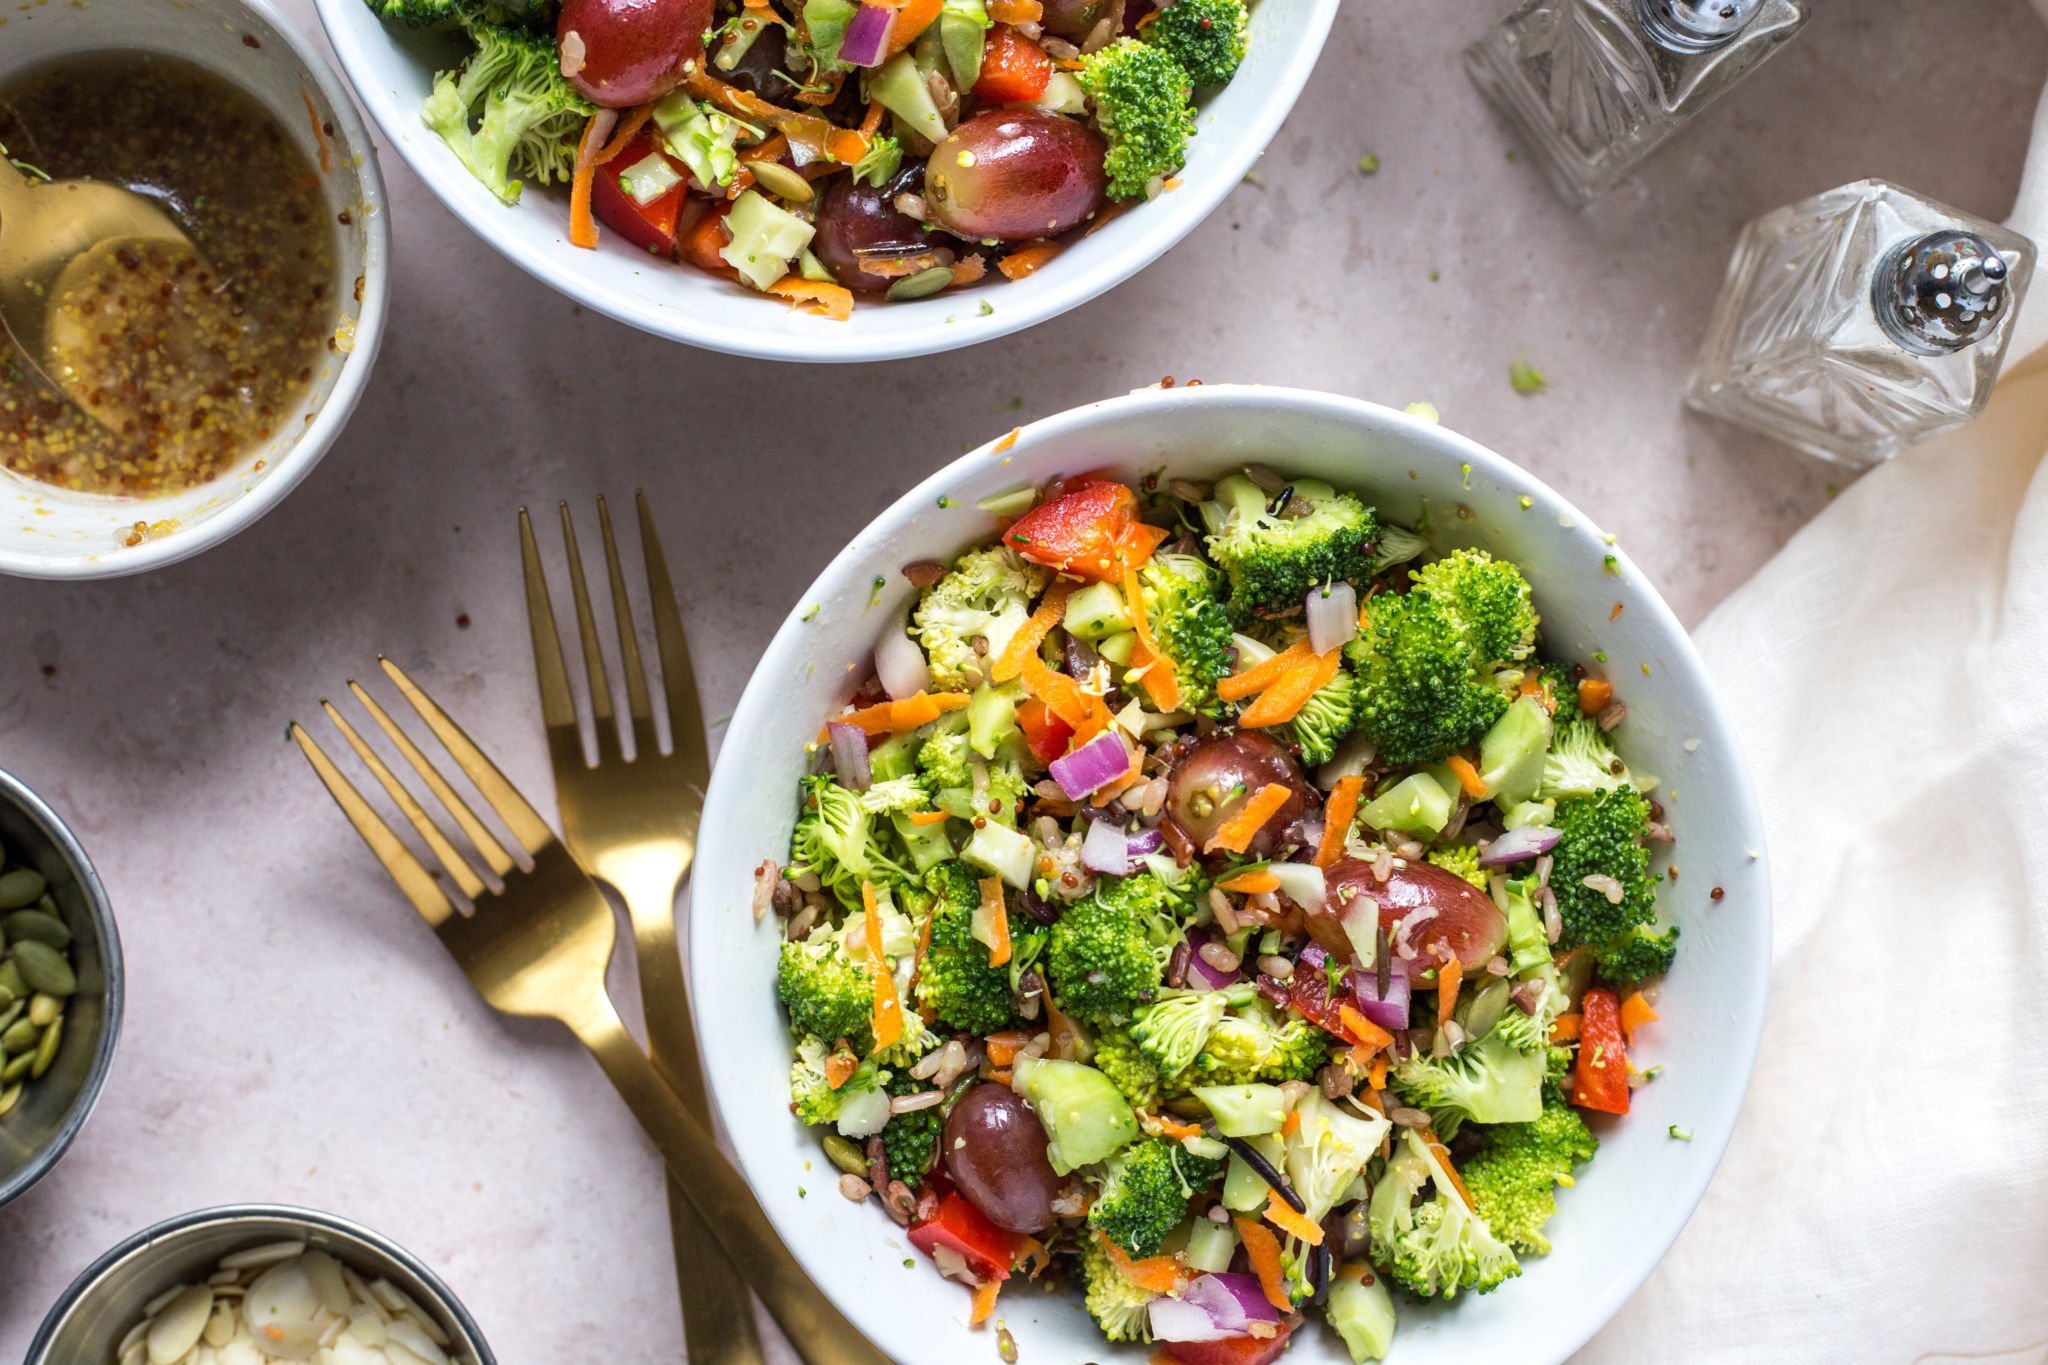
(179, 363)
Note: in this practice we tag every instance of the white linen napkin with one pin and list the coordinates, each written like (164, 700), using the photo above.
(1885, 1197)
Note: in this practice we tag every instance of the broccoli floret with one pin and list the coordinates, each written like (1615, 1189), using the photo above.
(897, 794)
(1146, 1192)
(1207, 37)
(1328, 1150)
(1432, 1245)
(811, 1097)
(1308, 536)
(1513, 1180)
(911, 1140)
(1397, 545)
(1488, 600)
(1184, 608)
(826, 992)
(1420, 695)
(1328, 715)
(944, 759)
(1488, 1081)
(417, 13)
(1121, 1308)
(1531, 1032)
(1109, 952)
(1602, 836)
(1643, 952)
(956, 983)
(1462, 859)
(1252, 1045)
(987, 596)
(1172, 1030)
(1560, 690)
(835, 838)
(1580, 762)
(1118, 1057)
(1557, 1075)
(528, 118)
(1141, 105)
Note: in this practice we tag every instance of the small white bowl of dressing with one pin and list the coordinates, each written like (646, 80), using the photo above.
(51, 530)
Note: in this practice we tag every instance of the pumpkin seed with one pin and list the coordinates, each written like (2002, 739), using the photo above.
(846, 1155)
(923, 283)
(43, 1010)
(20, 887)
(12, 1012)
(47, 1053)
(38, 926)
(18, 1035)
(11, 981)
(10, 1097)
(43, 967)
(779, 179)
(16, 1065)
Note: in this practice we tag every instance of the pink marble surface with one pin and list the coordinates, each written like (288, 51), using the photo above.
(294, 1034)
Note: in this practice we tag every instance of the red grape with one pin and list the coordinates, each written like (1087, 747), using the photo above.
(1015, 174)
(620, 53)
(995, 1151)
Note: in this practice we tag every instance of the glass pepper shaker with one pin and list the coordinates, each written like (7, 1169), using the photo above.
(1597, 85)
(1861, 321)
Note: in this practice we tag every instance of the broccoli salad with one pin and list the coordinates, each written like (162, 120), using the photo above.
(1217, 900)
(817, 150)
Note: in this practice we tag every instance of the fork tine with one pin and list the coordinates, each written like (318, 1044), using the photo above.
(493, 852)
(458, 867)
(593, 656)
(412, 879)
(512, 808)
(557, 703)
(622, 617)
(678, 681)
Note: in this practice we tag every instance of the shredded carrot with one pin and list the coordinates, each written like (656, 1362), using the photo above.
(888, 1009)
(583, 227)
(821, 297)
(1448, 978)
(771, 150)
(809, 136)
(1337, 816)
(897, 717)
(1361, 1055)
(1363, 1029)
(1635, 1012)
(1443, 1155)
(319, 134)
(1531, 685)
(871, 123)
(1372, 1097)
(1108, 216)
(847, 147)
(1065, 698)
(1377, 1077)
(922, 818)
(1262, 1248)
(1162, 681)
(1468, 776)
(1003, 1047)
(1565, 1028)
(1279, 703)
(1007, 441)
(998, 920)
(1594, 694)
(1117, 786)
(1251, 883)
(1239, 830)
(984, 1301)
(1001, 1077)
(1028, 259)
(968, 269)
(912, 17)
(1261, 676)
(1291, 1124)
(1281, 1215)
(1160, 1125)
(1016, 11)
(839, 1068)
(1052, 609)
(630, 124)
(1160, 1274)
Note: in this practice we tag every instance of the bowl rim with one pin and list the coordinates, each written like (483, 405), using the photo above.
(541, 257)
(285, 473)
(1659, 1228)
(38, 1347)
(16, 793)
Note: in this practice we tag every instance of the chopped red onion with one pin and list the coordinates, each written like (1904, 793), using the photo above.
(867, 36)
(1144, 843)
(1101, 760)
(1106, 849)
(899, 663)
(1332, 617)
(1390, 1011)
(1233, 1300)
(1520, 844)
(1178, 1320)
(849, 754)
(1204, 975)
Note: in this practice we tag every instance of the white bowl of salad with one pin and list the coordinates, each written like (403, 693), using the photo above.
(1233, 873)
(829, 180)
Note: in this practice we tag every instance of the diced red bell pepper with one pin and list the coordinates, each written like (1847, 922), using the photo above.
(1600, 1081)
(988, 1250)
(707, 237)
(1308, 991)
(651, 226)
(1091, 530)
(1230, 1350)
(1013, 68)
(1045, 732)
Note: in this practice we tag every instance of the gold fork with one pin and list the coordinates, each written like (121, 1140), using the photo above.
(634, 825)
(538, 947)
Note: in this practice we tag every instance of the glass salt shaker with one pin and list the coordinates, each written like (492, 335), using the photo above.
(1597, 85)
(1861, 321)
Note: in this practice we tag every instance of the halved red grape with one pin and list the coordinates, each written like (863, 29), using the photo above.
(1076, 19)
(1015, 174)
(994, 1148)
(856, 218)
(1466, 922)
(619, 53)
(1216, 776)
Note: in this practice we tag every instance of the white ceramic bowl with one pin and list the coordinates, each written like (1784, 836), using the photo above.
(51, 533)
(1628, 1205)
(393, 71)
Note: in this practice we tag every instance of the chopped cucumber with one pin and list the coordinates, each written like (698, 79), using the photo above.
(1417, 803)
(1097, 612)
(963, 25)
(1086, 1117)
(1362, 1312)
(1210, 1246)
(825, 21)
(1003, 851)
(649, 178)
(1063, 96)
(991, 718)
(1245, 1110)
(898, 86)
(1119, 648)
(765, 239)
(1511, 753)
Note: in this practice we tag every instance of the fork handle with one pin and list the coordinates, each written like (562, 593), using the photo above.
(819, 1332)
